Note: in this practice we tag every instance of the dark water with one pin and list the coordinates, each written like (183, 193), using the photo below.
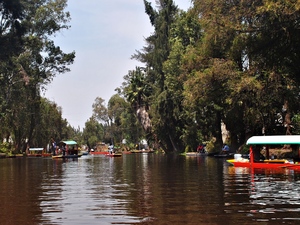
(144, 189)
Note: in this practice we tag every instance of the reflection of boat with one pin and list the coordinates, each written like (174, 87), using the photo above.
(268, 163)
(114, 155)
(224, 155)
(196, 153)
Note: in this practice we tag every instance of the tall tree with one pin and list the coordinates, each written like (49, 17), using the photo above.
(37, 60)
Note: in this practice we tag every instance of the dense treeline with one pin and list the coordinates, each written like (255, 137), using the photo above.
(232, 64)
(222, 62)
(29, 59)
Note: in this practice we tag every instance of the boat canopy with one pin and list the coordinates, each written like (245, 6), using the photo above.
(70, 142)
(274, 140)
(36, 149)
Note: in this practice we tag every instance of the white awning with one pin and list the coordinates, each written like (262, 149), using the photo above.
(36, 149)
(274, 140)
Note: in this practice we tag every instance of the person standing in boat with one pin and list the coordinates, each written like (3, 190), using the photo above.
(63, 150)
(111, 149)
(53, 146)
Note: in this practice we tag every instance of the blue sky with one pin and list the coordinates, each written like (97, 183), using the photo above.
(104, 34)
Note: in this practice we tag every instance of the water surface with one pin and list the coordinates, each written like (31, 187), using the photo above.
(145, 189)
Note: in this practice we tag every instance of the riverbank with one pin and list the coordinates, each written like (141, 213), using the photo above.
(279, 153)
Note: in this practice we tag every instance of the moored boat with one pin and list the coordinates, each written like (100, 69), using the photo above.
(98, 153)
(46, 154)
(66, 156)
(35, 152)
(257, 141)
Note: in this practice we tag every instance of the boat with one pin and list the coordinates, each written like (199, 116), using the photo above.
(67, 150)
(84, 152)
(101, 149)
(35, 152)
(267, 141)
(44, 154)
(98, 153)
(66, 156)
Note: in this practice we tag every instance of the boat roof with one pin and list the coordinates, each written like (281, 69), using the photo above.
(36, 149)
(70, 142)
(274, 140)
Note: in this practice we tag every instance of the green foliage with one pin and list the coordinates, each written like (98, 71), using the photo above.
(30, 62)
(296, 124)
(5, 147)
(220, 62)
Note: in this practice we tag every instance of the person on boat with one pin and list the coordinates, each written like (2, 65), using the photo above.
(258, 157)
(201, 148)
(111, 149)
(63, 150)
(225, 149)
(53, 146)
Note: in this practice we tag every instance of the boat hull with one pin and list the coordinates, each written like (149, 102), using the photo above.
(98, 153)
(268, 164)
(65, 156)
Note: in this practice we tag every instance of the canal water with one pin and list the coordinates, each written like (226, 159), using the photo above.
(145, 189)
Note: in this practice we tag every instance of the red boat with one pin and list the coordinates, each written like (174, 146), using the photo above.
(268, 163)
(98, 153)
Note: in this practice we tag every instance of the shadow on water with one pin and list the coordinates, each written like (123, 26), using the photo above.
(144, 189)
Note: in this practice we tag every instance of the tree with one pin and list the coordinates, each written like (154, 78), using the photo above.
(34, 61)
(93, 132)
(100, 111)
(259, 37)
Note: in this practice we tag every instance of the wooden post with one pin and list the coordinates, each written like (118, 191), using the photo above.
(251, 155)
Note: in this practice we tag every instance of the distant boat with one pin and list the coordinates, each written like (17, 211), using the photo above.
(68, 150)
(66, 156)
(98, 153)
(35, 152)
(84, 152)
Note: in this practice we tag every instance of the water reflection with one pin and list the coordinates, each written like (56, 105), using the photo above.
(263, 195)
(144, 189)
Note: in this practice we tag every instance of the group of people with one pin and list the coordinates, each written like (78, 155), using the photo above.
(202, 149)
(59, 150)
